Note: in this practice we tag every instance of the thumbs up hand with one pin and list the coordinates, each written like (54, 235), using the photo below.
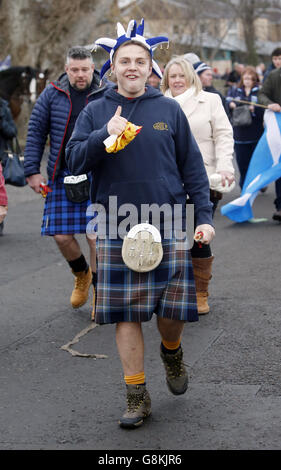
(121, 132)
(118, 111)
(117, 123)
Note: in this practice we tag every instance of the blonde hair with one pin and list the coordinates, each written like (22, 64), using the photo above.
(191, 76)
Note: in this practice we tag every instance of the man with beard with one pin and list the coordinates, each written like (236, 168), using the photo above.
(67, 198)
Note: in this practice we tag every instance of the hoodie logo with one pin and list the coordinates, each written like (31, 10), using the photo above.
(160, 126)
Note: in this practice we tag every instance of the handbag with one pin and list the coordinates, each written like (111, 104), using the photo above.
(13, 170)
(241, 116)
(77, 188)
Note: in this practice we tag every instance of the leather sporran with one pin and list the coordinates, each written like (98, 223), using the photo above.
(242, 116)
(142, 248)
(77, 188)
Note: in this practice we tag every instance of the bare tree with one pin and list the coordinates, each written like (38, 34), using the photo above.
(248, 11)
(38, 33)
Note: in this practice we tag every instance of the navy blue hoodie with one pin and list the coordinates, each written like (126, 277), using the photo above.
(161, 165)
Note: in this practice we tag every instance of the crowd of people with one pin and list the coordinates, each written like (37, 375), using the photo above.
(259, 86)
(183, 135)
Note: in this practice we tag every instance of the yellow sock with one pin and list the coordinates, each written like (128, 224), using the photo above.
(135, 379)
(171, 344)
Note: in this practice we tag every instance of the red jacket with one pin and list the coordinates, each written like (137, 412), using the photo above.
(3, 193)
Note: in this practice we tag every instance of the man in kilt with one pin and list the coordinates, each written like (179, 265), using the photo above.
(161, 165)
(54, 115)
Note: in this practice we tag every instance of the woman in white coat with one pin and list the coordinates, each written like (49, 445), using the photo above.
(214, 135)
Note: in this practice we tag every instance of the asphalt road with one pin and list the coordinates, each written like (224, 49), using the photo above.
(50, 399)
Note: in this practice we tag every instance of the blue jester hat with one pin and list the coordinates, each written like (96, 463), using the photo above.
(133, 33)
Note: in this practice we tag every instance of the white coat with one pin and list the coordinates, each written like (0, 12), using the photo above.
(211, 129)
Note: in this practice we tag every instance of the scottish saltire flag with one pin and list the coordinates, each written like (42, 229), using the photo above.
(264, 168)
(6, 63)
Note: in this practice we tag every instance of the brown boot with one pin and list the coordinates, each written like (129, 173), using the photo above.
(176, 374)
(80, 292)
(202, 268)
(139, 407)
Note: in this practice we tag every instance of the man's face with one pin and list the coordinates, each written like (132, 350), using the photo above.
(153, 80)
(206, 78)
(80, 73)
(276, 59)
(132, 67)
(240, 68)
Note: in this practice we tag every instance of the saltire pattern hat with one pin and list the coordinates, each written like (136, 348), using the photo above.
(133, 33)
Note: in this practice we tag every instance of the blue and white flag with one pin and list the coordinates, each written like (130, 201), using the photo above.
(6, 63)
(264, 168)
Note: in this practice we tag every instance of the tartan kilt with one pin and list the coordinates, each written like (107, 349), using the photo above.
(124, 295)
(62, 216)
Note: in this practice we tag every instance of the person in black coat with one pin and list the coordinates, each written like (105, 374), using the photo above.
(246, 137)
(275, 62)
(205, 73)
(8, 128)
(8, 131)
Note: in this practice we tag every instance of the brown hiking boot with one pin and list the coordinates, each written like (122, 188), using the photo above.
(176, 374)
(80, 292)
(139, 407)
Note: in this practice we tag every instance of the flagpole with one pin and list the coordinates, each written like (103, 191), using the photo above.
(250, 103)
